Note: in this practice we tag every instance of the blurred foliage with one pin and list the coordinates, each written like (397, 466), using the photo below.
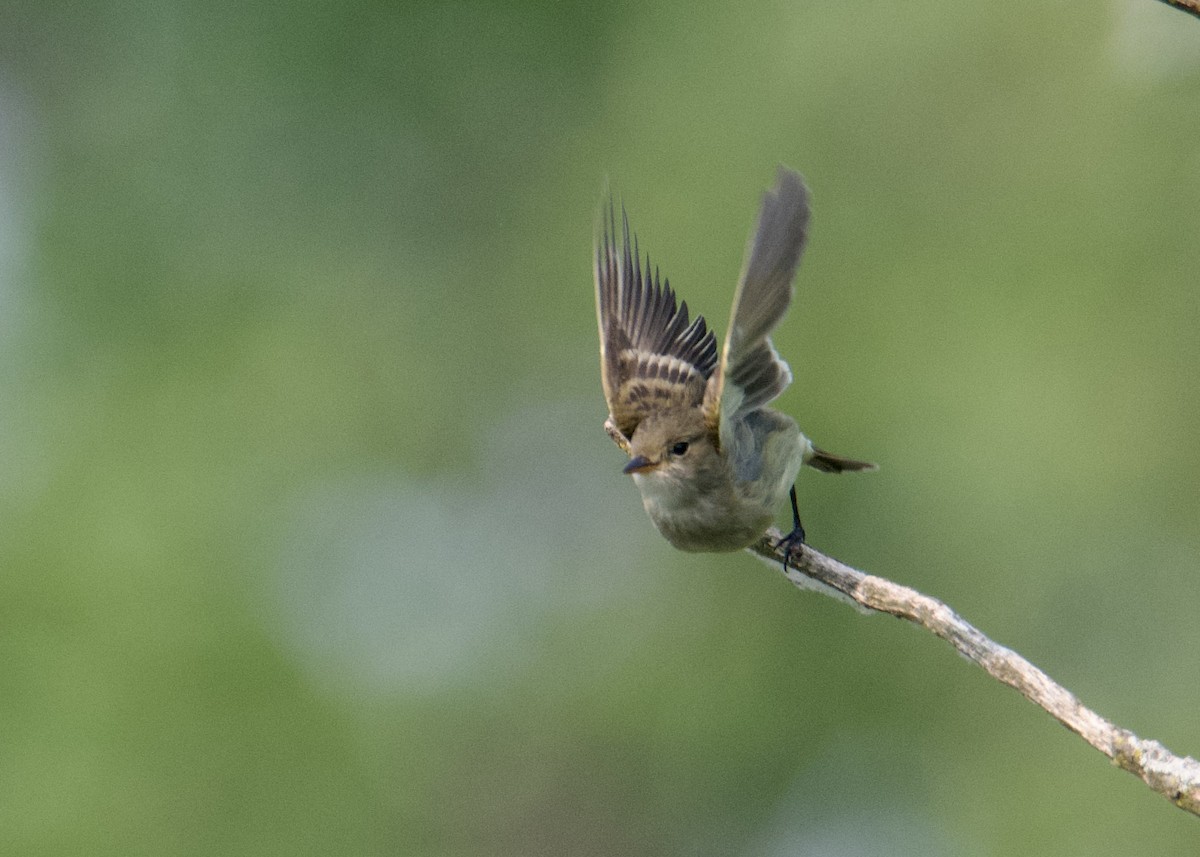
(312, 540)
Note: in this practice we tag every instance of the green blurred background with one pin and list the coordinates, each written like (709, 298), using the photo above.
(312, 542)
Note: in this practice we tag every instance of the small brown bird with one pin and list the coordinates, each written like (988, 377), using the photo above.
(711, 460)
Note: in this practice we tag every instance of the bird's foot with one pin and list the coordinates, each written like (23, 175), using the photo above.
(790, 544)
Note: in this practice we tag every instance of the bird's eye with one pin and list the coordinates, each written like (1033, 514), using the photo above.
(679, 448)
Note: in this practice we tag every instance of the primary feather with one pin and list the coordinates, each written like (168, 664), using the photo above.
(751, 373)
(651, 356)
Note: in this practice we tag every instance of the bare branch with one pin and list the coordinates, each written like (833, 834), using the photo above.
(1192, 7)
(1175, 778)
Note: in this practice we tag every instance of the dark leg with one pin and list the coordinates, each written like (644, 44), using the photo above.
(796, 537)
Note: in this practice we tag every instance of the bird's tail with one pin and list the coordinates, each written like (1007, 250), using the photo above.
(827, 462)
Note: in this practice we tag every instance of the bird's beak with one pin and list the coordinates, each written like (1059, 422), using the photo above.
(639, 464)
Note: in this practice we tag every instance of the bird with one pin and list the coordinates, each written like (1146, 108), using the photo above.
(712, 461)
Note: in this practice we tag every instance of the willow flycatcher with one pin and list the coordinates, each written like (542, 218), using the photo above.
(711, 460)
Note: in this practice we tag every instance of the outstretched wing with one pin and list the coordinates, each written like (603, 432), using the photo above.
(751, 373)
(651, 357)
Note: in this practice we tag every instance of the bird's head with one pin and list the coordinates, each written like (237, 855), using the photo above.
(671, 443)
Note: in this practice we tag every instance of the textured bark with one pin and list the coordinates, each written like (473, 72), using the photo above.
(1177, 778)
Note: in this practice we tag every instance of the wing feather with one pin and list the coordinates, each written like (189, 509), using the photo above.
(651, 355)
(751, 373)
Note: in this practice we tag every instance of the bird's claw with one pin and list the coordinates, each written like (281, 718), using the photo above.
(790, 543)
